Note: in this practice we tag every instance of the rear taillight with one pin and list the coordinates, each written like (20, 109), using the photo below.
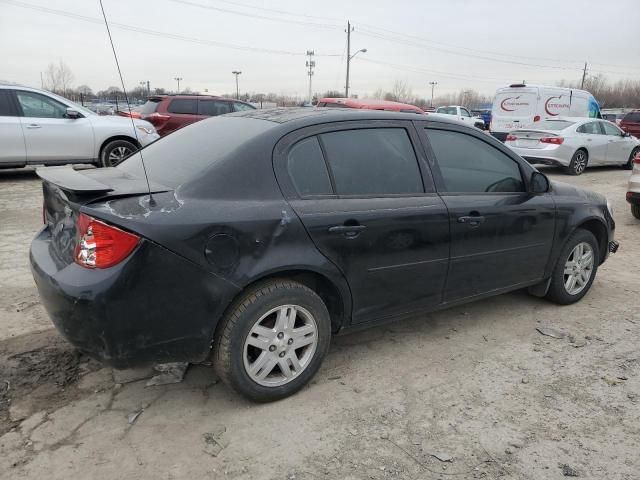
(536, 118)
(101, 245)
(156, 119)
(511, 138)
(552, 140)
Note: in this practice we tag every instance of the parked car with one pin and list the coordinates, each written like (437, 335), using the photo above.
(280, 227)
(462, 113)
(41, 128)
(633, 190)
(574, 143)
(613, 117)
(522, 106)
(368, 104)
(485, 115)
(630, 123)
(168, 113)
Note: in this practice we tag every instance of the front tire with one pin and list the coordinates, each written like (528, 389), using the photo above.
(575, 268)
(578, 162)
(272, 340)
(115, 152)
(635, 211)
(629, 164)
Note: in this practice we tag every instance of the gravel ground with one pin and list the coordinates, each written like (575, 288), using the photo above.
(471, 392)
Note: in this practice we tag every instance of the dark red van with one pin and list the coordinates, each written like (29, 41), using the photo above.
(630, 123)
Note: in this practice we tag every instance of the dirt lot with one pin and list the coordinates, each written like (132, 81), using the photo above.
(476, 386)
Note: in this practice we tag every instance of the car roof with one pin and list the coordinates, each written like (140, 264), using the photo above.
(305, 116)
(182, 95)
(367, 102)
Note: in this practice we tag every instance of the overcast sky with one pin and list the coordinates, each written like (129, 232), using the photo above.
(478, 44)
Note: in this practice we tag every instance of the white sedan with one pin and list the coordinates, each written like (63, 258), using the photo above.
(41, 128)
(574, 143)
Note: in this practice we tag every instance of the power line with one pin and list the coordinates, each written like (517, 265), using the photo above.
(156, 33)
(251, 15)
(283, 12)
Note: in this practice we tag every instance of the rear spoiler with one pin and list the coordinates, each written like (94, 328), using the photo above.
(71, 180)
(98, 181)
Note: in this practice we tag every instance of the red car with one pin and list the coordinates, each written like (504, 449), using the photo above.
(631, 123)
(368, 104)
(168, 113)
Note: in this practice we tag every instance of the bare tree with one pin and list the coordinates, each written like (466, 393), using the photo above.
(58, 78)
(401, 92)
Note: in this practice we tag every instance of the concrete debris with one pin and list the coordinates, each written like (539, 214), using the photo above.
(442, 456)
(550, 332)
(567, 471)
(214, 442)
(133, 416)
(168, 373)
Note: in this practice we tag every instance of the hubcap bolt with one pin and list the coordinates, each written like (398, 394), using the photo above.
(280, 335)
(281, 354)
(272, 348)
(290, 341)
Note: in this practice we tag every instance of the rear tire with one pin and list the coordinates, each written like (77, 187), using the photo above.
(574, 262)
(114, 152)
(578, 163)
(635, 211)
(629, 164)
(255, 344)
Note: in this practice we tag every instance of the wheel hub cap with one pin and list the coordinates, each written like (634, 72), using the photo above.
(578, 268)
(280, 345)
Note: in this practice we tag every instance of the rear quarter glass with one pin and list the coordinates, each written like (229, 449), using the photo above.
(151, 106)
(185, 153)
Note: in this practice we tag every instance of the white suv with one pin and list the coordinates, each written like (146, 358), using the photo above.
(463, 114)
(41, 128)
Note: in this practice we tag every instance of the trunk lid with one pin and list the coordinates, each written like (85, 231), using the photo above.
(530, 138)
(66, 191)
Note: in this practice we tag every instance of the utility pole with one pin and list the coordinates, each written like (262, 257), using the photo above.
(177, 79)
(349, 30)
(311, 63)
(433, 86)
(148, 88)
(584, 75)
(237, 73)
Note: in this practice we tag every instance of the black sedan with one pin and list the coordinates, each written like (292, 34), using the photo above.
(260, 234)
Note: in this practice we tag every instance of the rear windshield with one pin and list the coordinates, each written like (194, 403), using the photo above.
(632, 117)
(552, 125)
(178, 157)
(150, 107)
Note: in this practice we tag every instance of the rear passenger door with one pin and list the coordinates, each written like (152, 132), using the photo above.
(501, 235)
(594, 140)
(183, 112)
(366, 197)
(12, 148)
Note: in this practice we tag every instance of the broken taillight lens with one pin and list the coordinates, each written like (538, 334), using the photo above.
(101, 245)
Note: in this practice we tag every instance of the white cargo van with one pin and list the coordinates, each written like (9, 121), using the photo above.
(521, 106)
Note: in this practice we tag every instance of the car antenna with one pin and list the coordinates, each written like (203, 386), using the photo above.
(152, 202)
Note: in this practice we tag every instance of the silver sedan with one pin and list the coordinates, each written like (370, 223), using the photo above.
(574, 143)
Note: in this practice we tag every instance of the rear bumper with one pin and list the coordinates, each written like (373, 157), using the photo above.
(153, 307)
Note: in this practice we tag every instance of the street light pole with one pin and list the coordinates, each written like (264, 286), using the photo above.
(350, 57)
(237, 73)
(177, 79)
(311, 64)
(433, 85)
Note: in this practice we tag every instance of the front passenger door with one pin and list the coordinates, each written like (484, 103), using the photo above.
(501, 235)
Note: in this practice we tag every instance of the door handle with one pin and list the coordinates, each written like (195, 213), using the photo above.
(589, 139)
(347, 230)
(471, 219)
(34, 125)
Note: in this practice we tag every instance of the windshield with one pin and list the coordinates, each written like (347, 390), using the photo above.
(178, 157)
(552, 125)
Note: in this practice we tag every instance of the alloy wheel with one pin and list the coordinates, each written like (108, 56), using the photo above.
(280, 345)
(580, 162)
(118, 154)
(578, 268)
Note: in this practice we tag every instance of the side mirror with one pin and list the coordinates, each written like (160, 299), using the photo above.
(72, 113)
(539, 183)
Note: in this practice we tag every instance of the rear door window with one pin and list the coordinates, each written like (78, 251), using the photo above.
(372, 162)
(188, 106)
(633, 117)
(6, 109)
(307, 168)
(469, 165)
(590, 128)
(213, 108)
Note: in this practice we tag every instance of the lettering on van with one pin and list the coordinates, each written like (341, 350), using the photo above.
(556, 104)
(512, 102)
